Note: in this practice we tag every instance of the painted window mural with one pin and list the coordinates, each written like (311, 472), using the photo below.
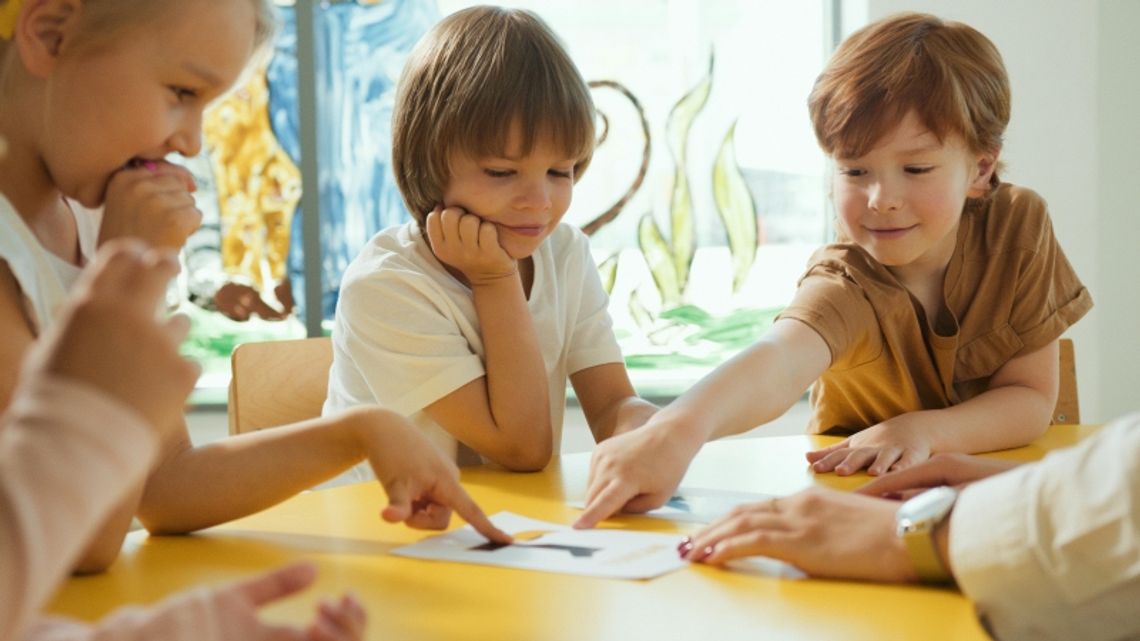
(703, 202)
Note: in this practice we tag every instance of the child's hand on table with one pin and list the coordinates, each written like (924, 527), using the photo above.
(634, 472)
(892, 445)
(941, 469)
(422, 485)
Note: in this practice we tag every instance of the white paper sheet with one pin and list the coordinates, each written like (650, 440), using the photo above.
(552, 547)
(698, 505)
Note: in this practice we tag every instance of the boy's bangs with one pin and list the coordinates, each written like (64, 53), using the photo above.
(870, 115)
(554, 117)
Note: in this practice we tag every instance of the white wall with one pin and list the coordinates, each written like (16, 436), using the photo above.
(1074, 137)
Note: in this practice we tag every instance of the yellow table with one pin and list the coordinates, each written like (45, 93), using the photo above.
(340, 531)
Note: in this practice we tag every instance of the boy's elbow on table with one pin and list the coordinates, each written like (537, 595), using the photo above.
(525, 457)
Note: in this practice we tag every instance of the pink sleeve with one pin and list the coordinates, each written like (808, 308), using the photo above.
(68, 454)
(188, 616)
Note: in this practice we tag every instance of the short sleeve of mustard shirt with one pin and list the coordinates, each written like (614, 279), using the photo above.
(1009, 290)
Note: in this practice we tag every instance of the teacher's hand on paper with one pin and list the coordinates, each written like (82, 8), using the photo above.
(825, 533)
(422, 485)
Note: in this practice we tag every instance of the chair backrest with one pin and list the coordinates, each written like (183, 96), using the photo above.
(278, 382)
(1068, 410)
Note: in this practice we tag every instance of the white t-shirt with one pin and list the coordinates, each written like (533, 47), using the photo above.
(44, 278)
(1052, 550)
(406, 333)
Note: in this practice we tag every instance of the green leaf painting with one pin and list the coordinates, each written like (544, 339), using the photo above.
(660, 260)
(681, 117)
(736, 209)
(608, 272)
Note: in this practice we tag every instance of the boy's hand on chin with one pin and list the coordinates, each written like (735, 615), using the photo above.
(470, 244)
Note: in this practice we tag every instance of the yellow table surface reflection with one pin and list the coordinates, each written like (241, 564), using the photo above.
(340, 530)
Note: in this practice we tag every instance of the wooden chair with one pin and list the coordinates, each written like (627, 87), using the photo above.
(1068, 410)
(278, 382)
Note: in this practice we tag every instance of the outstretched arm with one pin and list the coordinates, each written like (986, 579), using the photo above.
(194, 488)
(638, 470)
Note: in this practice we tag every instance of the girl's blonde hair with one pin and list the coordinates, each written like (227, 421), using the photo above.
(467, 82)
(104, 18)
(948, 73)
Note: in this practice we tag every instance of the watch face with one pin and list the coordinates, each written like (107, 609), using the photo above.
(931, 505)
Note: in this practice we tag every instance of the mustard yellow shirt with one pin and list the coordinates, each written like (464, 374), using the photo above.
(1008, 290)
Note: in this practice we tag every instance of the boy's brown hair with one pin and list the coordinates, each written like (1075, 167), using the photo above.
(474, 75)
(948, 73)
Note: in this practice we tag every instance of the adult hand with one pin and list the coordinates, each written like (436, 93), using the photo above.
(422, 485)
(238, 604)
(891, 445)
(468, 243)
(822, 532)
(634, 472)
(941, 469)
(153, 203)
(110, 338)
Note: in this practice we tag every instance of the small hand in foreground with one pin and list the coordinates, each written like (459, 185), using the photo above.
(468, 243)
(941, 469)
(891, 445)
(336, 620)
(422, 485)
(153, 203)
(822, 532)
(110, 338)
(633, 472)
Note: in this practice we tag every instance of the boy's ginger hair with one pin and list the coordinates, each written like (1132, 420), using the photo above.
(467, 82)
(948, 73)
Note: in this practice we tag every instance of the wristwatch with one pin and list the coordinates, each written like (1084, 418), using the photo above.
(915, 522)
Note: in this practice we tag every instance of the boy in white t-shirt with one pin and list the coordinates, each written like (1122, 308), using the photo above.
(470, 318)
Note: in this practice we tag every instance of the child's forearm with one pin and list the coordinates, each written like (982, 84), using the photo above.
(1000, 418)
(623, 416)
(107, 541)
(754, 387)
(194, 488)
(518, 395)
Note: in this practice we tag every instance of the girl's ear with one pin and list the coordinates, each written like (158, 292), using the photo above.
(985, 168)
(42, 29)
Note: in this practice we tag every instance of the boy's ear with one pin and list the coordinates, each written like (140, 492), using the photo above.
(987, 165)
(42, 29)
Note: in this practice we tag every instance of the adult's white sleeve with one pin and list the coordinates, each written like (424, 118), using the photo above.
(1052, 550)
(68, 455)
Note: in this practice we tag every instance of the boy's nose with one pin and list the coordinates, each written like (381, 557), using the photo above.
(882, 198)
(535, 196)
